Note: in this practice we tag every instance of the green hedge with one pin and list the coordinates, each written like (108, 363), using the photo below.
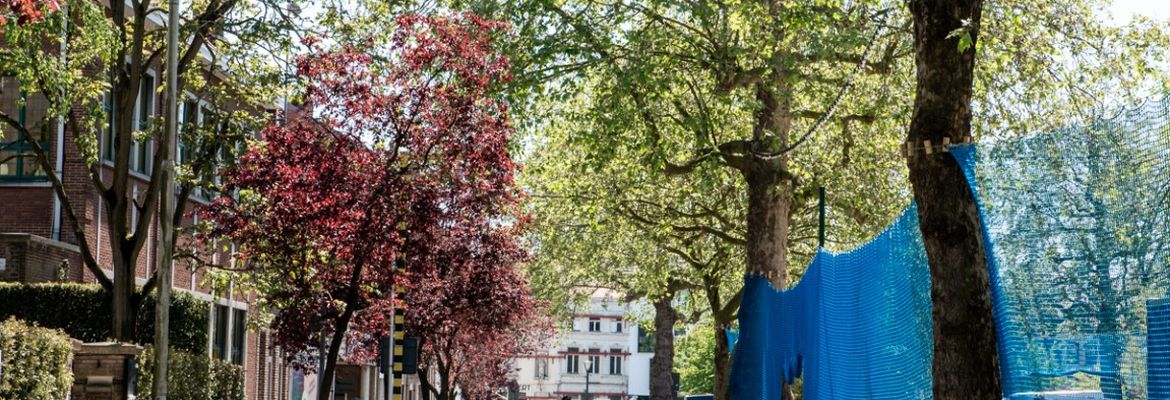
(192, 377)
(35, 362)
(83, 312)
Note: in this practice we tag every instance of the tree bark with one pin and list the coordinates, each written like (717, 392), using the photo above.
(965, 364)
(340, 327)
(662, 365)
(424, 379)
(767, 224)
(722, 364)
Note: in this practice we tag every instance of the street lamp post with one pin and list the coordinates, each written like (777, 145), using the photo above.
(588, 369)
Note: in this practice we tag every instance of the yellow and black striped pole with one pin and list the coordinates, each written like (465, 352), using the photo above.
(398, 334)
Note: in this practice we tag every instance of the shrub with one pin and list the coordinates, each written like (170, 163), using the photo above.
(192, 377)
(35, 362)
(83, 312)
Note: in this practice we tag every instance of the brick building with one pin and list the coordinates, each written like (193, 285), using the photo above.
(38, 245)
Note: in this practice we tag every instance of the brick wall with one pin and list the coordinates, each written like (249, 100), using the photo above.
(31, 258)
(28, 213)
(101, 360)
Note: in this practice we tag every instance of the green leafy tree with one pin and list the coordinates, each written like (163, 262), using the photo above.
(93, 79)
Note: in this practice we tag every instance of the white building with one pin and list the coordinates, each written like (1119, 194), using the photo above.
(599, 355)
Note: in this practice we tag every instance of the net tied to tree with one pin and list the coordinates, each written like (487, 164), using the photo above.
(1077, 228)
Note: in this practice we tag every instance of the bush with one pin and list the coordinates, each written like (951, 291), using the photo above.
(36, 362)
(192, 377)
(83, 312)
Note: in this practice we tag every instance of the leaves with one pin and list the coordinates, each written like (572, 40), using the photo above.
(396, 175)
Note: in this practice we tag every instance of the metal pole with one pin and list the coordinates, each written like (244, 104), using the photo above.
(821, 217)
(588, 369)
(166, 231)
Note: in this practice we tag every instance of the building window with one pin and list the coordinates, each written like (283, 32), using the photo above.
(228, 334)
(219, 335)
(645, 341)
(595, 324)
(188, 124)
(617, 327)
(238, 330)
(594, 364)
(541, 369)
(615, 365)
(141, 151)
(18, 161)
(109, 145)
(571, 363)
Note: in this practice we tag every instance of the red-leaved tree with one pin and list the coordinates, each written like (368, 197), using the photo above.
(473, 311)
(25, 11)
(399, 157)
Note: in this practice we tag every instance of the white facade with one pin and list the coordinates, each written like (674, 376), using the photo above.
(601, 347)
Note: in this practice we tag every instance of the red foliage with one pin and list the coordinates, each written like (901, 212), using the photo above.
(400, 157)
(473, 310)
(25, 11)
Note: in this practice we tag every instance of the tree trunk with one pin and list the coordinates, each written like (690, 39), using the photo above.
(767, 224)
(767, 230)
(662, 365)
(965, 364)
(340, 326)
(124, 312)
(722, 364)
(424, 379)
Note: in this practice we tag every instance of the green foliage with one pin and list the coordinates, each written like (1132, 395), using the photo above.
(1045, 65)
(36, 362)
(192, 377)
(696, 367)
(83, 312)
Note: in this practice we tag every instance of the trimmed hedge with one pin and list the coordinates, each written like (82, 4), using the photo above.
(83, 312)
(192, 377)
(35, 362)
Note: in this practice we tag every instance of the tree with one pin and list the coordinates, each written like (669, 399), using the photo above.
(96, 89)
(392, 162)
(607, 225)
(965, 361)
(672, 88)
(473, 311)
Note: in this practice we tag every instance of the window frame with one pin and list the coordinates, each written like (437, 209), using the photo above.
(572, 364)
(232, 339)
(141, 152)
(20, 147)
(594, 324)
(541, 369)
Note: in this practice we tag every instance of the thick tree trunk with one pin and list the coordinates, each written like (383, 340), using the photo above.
(722, 364)
(965, 364)
(769, 189)
(767, 224)
(124, 312)
(662, 365)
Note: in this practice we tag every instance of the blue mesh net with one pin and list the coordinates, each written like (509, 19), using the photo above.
(1076, 223)
(857, 325)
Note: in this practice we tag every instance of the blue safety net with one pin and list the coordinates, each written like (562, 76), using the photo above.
(1077, 226)
(1080, 239)
(857, 325)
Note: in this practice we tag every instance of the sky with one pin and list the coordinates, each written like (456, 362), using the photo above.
(1124, 10)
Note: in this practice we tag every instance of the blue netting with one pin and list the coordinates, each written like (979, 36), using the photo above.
(1076, 224)
(1078, 228)
(857, 324)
